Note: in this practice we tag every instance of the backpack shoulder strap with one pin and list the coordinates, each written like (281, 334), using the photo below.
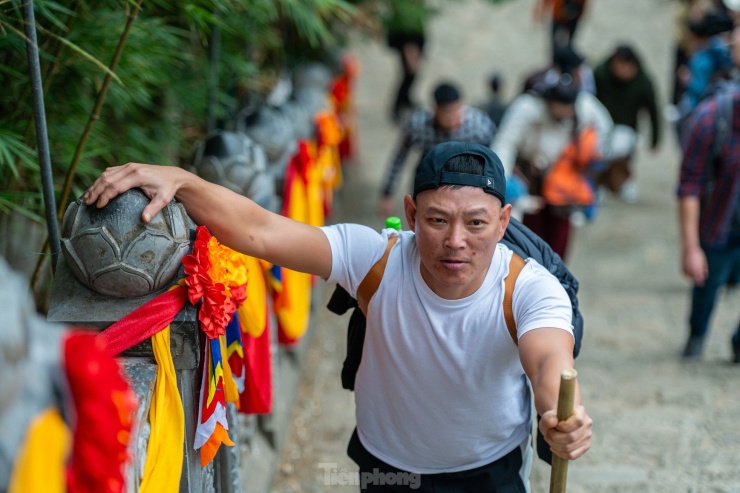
(516, 265)
(372, 279)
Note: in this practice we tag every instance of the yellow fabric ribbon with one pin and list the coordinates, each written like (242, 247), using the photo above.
(252, 314)
(40, 466)
(167, 420)
(293, 303)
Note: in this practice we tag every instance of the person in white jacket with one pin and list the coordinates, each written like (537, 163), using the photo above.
(535, 130)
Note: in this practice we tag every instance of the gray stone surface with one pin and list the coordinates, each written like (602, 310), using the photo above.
(235, 161)
(30, 350)
(113, 252)
(142, 376)
(74, 304)
(661, 425)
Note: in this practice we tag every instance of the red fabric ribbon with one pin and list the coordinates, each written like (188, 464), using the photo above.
(257, 395)
(144, 322)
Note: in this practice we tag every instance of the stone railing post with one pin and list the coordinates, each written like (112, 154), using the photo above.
(112, 264)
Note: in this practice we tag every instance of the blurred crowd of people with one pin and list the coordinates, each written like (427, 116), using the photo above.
(569, 138)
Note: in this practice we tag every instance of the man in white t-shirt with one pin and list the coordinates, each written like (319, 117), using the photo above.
(442, 397)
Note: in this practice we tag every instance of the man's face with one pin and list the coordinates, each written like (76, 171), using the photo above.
(560, 111)
(456, 233)
(623, 70)
(449, 117)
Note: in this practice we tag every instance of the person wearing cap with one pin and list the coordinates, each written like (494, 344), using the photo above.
(709, 62)
(442, 394)
(688, 11)
(535, 131)
(450, 120)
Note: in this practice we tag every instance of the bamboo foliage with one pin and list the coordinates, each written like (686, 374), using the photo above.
(155, 107)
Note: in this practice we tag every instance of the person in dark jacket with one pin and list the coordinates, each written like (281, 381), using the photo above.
(626, 90)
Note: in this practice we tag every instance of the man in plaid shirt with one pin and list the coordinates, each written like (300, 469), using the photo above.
(451, 120)
(709, 209)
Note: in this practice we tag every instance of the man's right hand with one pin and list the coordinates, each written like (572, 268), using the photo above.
(694, 264)
(568, 439)
(159, 183)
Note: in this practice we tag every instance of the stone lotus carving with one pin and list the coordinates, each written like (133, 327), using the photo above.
(113, 252)
(271, 129)
(236, 162)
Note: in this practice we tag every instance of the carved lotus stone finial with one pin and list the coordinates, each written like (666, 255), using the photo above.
(113, 252)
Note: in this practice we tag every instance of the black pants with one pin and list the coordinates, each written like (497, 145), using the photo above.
(501, 476)
(398, 40)
(562, 33)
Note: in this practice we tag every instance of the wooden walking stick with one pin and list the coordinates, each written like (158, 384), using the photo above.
(559, 473)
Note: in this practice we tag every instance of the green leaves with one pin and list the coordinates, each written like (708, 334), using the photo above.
(15, 154)
(156, 109)
(24, 203)
(311, 18)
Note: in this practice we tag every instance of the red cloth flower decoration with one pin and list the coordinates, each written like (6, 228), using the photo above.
(219, 301)
(104, 406)
(196, 266)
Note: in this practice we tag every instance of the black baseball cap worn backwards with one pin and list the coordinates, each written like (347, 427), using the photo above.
(429, 174)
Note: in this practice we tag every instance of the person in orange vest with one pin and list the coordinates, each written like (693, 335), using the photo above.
(538, 132)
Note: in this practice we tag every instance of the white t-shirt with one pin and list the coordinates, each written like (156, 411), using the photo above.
(440, 387)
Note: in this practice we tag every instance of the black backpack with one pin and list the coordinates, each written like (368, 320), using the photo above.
(522, 241)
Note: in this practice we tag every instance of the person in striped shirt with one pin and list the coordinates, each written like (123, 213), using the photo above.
(709, 207)
(450, 120)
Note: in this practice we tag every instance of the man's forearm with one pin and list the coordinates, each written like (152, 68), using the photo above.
(546, 383)
(544, 354)
(235, 220)
(227, 215)
(241, 224)
(689, 210)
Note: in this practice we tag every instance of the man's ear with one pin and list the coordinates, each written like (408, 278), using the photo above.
(504, 218)
(409, 207)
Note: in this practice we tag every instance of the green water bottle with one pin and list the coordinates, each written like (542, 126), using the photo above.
(393, 222)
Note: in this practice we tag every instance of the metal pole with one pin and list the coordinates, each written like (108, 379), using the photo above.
(42, 138)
